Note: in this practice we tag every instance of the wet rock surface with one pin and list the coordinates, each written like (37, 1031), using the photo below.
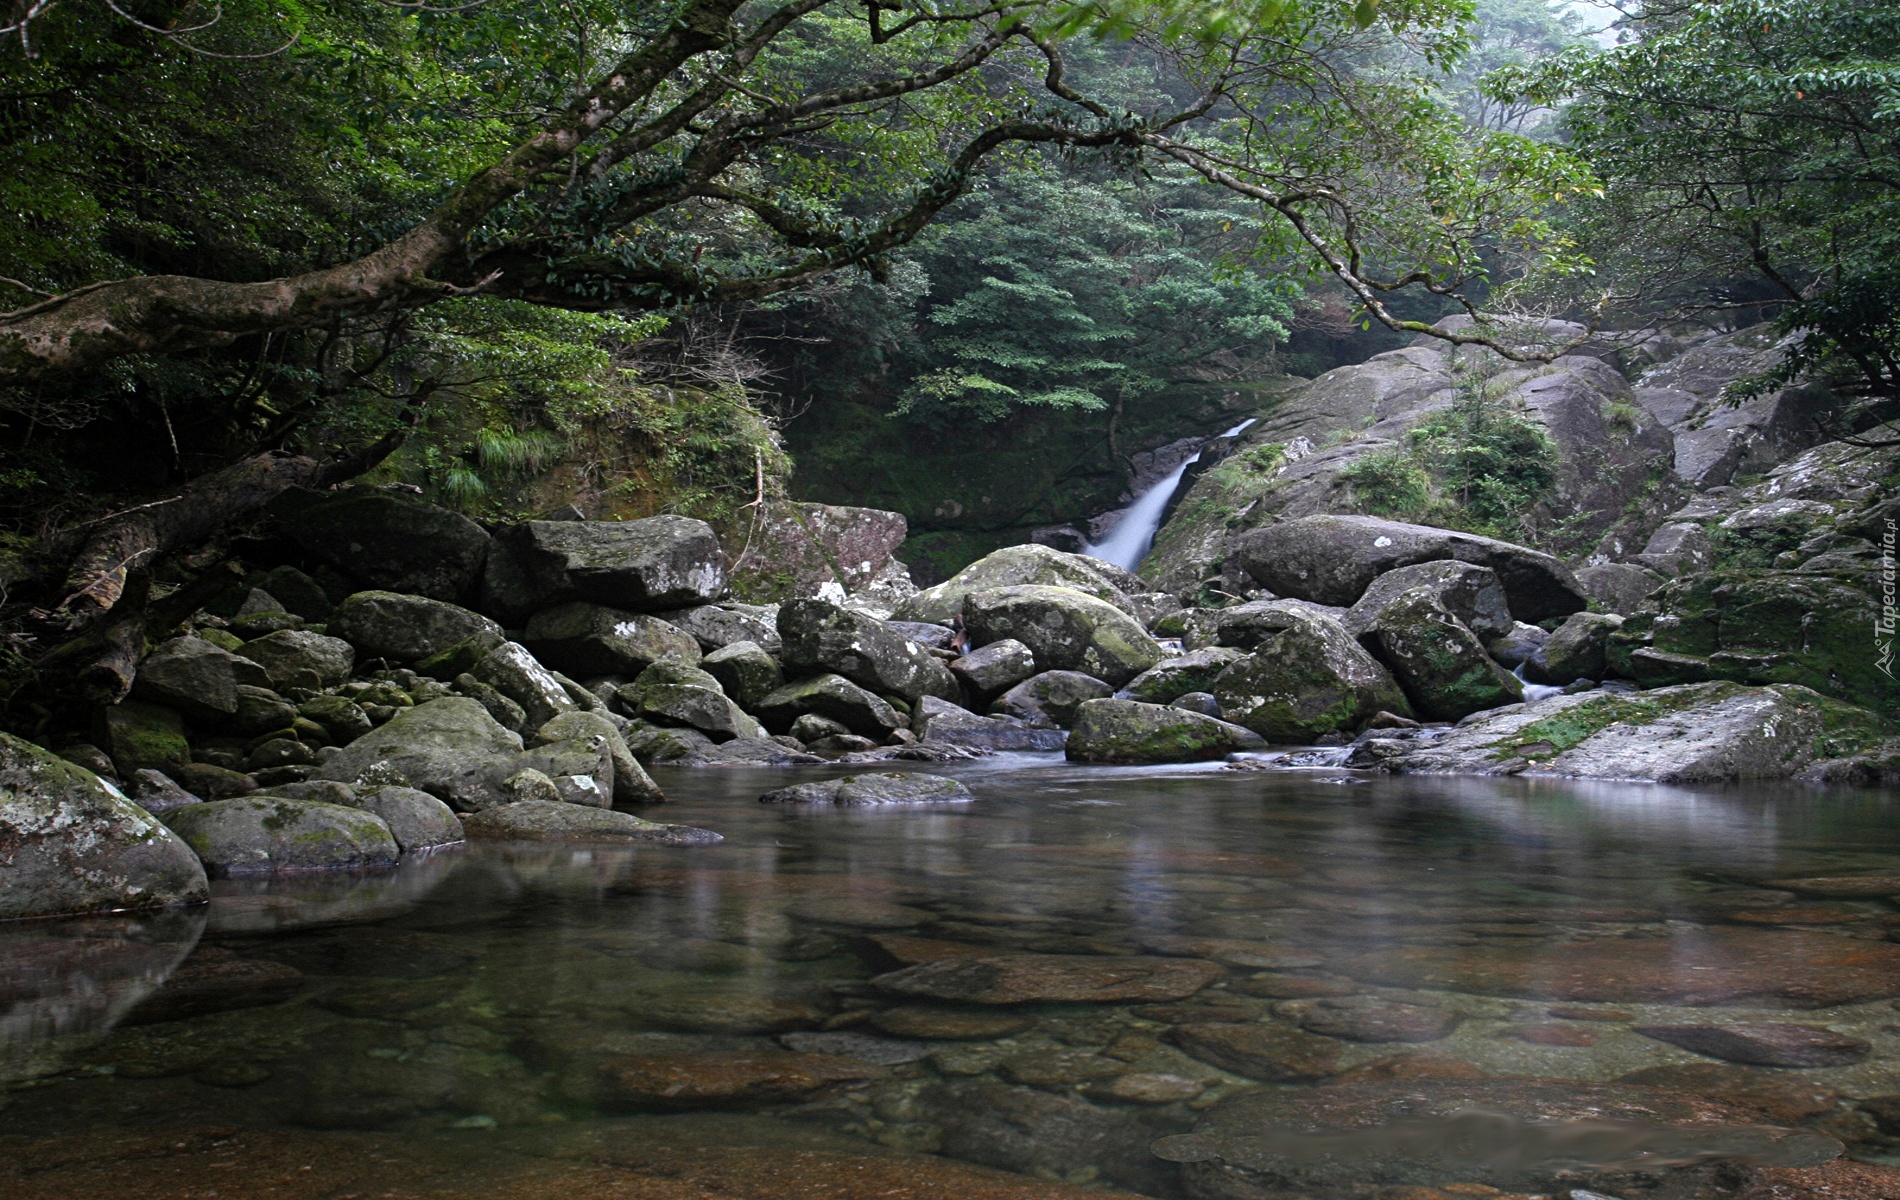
(1016, 979)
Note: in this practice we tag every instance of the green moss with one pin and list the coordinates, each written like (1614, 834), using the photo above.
(1577, 724)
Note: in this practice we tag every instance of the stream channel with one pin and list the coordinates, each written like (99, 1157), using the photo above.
(524, 1020)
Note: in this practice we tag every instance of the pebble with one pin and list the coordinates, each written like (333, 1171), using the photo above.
(1264, 1051)
(1586, 1012)
(1369, 1019)
(949, 1024)
(695, 1080)
(1552, 1034)
(884, 1052)
(1767, 1045)
(1060, 1070)
(1025, 978)
(1840, 886)
(1145, 1087)
(1232, 952)
(1273, 985)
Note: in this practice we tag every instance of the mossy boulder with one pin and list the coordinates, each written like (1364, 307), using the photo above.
(552, 821)
(1128, 731)
(1712, 732)
(298, 660)
(70, 843)
(138, 735)
(389, 541)
(1172, 678)
(1816, 629)
(196, 678)
(991, 670)
(745, 671)
(1065, 629)
(450, 748)
(590, 639)
(1577, 648)
(1441, 664)
(517, 674)
(1472, 593)
(259, 835)
(1014, 566)
(862, 712)
(821, 637)
(417, 820)
(1309, 681)
(674, 693)
(1334, 559)
(656, 563)
(1050, 699)
(405, 628)
(631, 783)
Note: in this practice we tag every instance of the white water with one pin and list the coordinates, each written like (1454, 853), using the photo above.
(1128, 543)
(1533, 692)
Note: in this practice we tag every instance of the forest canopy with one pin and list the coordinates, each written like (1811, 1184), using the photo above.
(260, 245)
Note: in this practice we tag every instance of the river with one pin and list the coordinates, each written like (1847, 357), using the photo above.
(532, 1014)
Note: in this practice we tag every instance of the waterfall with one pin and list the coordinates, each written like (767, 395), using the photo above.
(1127, 544)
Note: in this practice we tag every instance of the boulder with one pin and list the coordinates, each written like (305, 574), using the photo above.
(937, 720)
(1334, 559)
(631, 783)
(301, 595)
(1677, 548)
(405, 628)
(1441, 664)
(1065, 629)
(1763, 627)
(745, 671)
(587, 639)
(833, 696)
(550, 821)
(1050, 699)
(257, 835)
(417, 820)
(1013, 566)
(71, 843)
(934, 637)
(1576, 648)
(391, 541)
(1618, 587)
(196, 678)
(715, 627)
(212, 782)
(450, 748)
(1691, 733)
(341, 717)
(990, 671)
(674, 693)
(1311, 680)
(1128, 731)
(578, 770)
(798, 548)
(823, 637)
(511, 670)
(298, 660)
(657, 563)
(1471, 593)
(878, 788)
(1175, 677)
(158, 793)
(138, 735)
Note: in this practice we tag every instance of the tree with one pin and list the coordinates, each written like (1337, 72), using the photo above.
(1753, 154)
(699, 151)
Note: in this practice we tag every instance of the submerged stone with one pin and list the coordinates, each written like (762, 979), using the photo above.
(555, 821)
(1026, 978)
(697, 1080)
(1259, 1050)
(1766, 1045)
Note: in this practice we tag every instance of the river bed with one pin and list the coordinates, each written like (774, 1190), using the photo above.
(527, 1020)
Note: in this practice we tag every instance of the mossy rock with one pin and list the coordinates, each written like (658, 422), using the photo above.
(1128, 731)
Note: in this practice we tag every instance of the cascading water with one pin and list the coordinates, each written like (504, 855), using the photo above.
(1128, 543)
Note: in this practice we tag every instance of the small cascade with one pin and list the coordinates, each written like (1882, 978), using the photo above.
(1533, 692)
(1128, 543)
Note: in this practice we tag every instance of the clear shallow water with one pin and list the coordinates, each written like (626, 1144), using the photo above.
(501, 993)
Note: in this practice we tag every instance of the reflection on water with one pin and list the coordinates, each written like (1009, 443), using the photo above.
(1374, 945)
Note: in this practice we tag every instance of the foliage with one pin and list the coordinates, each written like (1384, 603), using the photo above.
(1054, 291)
(1482, 468)
(1752, 156)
